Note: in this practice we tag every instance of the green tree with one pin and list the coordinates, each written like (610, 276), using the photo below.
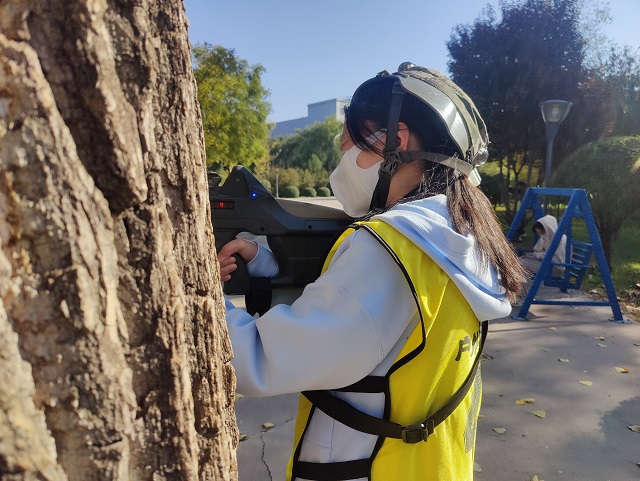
(604, 169)
(234, 108)
(620, 78)
(535, 52)
(312, 148)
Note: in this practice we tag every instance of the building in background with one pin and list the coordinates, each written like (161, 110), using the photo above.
(318, 112)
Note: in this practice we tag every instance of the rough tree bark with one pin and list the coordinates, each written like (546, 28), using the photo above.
(114, 355)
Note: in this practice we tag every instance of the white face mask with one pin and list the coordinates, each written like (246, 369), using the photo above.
(352, 185)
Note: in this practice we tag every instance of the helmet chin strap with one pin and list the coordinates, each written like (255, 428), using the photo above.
(392, 154)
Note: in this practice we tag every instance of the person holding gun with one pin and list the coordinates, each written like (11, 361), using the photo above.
(384, 345)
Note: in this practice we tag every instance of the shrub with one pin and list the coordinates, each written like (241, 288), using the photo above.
(324, 192)
(604, 169)
(308, 192)
(290, 191)
(266, 184)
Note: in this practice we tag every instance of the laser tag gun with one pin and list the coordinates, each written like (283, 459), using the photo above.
(299, 234)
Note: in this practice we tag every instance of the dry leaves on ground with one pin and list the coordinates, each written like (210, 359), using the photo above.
(500, 430)
(586, 383)
(528, 400)
(622, 370)
(267, 426)
(540, 413)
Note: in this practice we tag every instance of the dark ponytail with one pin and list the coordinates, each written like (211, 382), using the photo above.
(472, 213)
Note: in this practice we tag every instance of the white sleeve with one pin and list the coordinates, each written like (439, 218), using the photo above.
(340, 328)
(264, 264)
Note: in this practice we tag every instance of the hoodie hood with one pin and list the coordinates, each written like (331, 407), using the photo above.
(550, 224)
(427, 224)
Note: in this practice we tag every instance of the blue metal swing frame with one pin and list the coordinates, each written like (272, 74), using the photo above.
(575, 269)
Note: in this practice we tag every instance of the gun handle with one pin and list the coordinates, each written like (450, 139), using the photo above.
(240, 283)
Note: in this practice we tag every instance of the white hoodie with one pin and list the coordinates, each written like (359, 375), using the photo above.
(550, 224)
(352, 322)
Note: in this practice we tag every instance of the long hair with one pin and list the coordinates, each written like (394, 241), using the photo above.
(470, 211)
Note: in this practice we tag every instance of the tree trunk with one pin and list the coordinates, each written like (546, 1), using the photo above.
(114, 355)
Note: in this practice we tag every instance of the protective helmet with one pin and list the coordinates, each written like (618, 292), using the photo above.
(457, 112)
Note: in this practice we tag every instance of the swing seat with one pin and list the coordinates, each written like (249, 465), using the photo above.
(574, 271)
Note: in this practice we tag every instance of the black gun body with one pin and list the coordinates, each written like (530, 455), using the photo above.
(299, 234)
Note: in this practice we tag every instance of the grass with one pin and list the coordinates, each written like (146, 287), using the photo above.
(625, 264)
(625, 272)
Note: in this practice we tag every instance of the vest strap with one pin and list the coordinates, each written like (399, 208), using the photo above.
(337, 471)
(369, 384)
(346, 414)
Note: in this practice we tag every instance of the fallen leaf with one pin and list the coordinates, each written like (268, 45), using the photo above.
(586, 383)
(562, 359)
(540, 413)
(636, 343)
(500, 430)
(238, 396)
(528, 400)
(544, 350)
(622, 370)
(477, 468)
(536, 478)
(243, 437)
(268, 426)
(599, 338)
(551, 328)
(635, 428)
(602, 345)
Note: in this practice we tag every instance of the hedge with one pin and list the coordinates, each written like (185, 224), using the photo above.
(324, 192)
(290, 191)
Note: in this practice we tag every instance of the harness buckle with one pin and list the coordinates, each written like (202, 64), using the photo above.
(417, 432)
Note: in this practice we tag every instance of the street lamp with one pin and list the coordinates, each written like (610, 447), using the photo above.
(553, 113)
(277, 172)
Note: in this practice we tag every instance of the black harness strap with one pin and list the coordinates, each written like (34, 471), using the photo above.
(346, 414)
(337, 471)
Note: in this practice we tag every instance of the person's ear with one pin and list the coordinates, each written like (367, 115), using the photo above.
(402, 140)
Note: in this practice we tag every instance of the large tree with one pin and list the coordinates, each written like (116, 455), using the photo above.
(534, 52)
(234, 108)
(114, 356)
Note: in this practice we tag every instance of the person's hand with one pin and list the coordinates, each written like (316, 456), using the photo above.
(244, 248)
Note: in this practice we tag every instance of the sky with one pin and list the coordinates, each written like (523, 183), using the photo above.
(316, 50)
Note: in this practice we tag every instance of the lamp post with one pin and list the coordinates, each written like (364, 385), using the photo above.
(277, 172)
(553, 113)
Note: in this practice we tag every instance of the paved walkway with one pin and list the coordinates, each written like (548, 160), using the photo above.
(584, 435)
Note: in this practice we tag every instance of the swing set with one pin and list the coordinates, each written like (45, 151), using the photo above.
(578, 253)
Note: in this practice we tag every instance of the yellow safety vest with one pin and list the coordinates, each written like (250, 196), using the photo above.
(437, 363)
